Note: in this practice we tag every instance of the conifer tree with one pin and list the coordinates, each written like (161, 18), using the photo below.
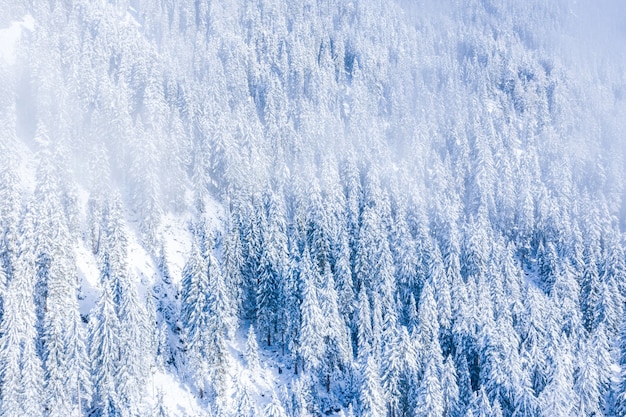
(21, 370)
(311, 327)
(104, 351)
(337, 353)
(274, 408)
(429, 397)
(586, 382)
(364, 326)
(245, 407)
(370, 394)
(450, 388)
(480, 405)
(135, 353)
(195, 314)
(558, 397)
(252, 350)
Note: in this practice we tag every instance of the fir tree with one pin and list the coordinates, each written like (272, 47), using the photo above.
(252, 350)
(274, 408)
(429, 398)
(370, 395)
(311, 330)
(104, 351)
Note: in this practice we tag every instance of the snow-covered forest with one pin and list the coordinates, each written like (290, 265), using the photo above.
(241, 208)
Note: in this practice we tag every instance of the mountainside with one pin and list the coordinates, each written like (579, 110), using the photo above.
(304, 208)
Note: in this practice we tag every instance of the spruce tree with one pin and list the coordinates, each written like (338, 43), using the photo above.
(252, 351)
(311, 326)
(104, 351)
(429, 397)
(371, 398)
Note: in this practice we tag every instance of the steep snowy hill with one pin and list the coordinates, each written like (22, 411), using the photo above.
(305, 208)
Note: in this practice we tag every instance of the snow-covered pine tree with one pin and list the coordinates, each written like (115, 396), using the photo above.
(195, 304)
(104, 350)
(371, 400)
(429, 397)
(252, 351)
(310, 341)
(274, 408)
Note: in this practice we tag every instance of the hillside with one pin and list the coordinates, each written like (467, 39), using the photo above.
(305, 208)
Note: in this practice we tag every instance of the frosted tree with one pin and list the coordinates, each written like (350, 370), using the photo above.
(343, 278)
(311, 325)
(9, 220)
(21, 370)
(10, 364)
(268, 292)
(146, 184)
(245, 406)
(252, 350)
(104, 351)
(441, 288)
(98, 162)
(427, 316)
(429, 397)
(135, 352)
(392, 369)
(405, 258)
(371, 400)
(32, 380)
(587, 382)
(195, 313)
(337, 346)
(558, 397)
(364, 326)
(233, 264)
(221, 324)
(590, 292)
(20, 367)
(450, 388)
(620, 390)
(480, 405)
(77, 356)
(272, 271)
(274, 408)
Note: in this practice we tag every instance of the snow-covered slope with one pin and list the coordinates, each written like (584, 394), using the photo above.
(405, 208)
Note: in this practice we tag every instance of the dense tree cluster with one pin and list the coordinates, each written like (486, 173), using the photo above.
(423, 214)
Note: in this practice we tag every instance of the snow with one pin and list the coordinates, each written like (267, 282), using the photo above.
(11, 35)
(174, 234)
(88, 274)
(177, 398)
(176, 240)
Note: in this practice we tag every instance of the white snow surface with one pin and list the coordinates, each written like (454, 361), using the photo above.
(11, 35)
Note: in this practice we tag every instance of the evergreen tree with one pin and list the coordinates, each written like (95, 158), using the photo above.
(364, 326)
(590, 293)
(274, 408)
(450, 388)
(429, 398)
(195, 315)
(480, 405)
(245, 407)
(21, 370)
(586, 382)
(558, 397)
(370, 395)
(135, 354)
(311, 326)
(104, 351)
(252, 350)
(337, 346)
